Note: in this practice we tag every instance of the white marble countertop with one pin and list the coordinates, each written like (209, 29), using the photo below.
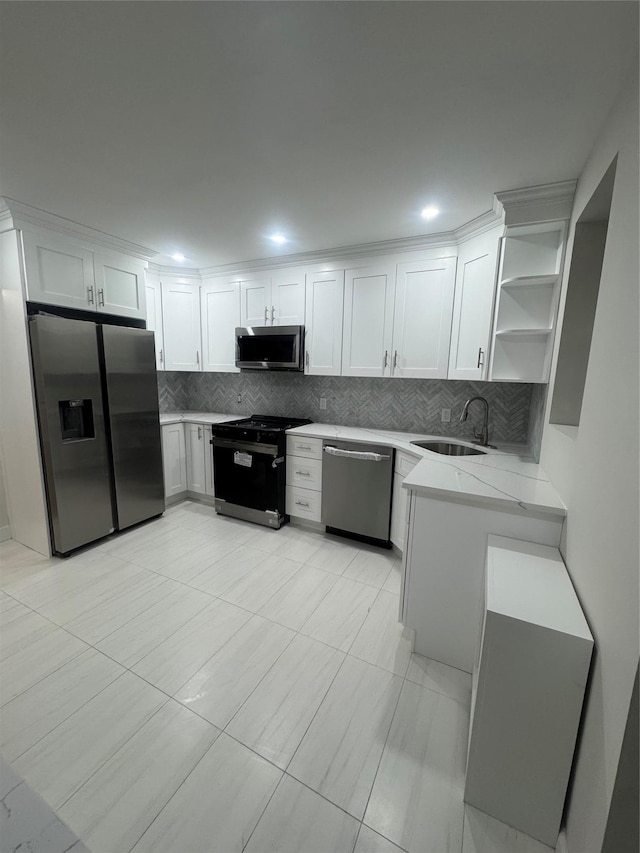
(196, 418)
(503, 478)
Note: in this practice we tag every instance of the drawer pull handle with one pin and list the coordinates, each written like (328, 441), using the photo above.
(304, 473)
(304, 447)
(302, 503)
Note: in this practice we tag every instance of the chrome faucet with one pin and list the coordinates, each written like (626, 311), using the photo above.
(480, 436)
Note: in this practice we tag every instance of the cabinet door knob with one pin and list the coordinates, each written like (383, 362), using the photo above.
(480, 361)
(306, 358)
(266, 315)
(101, 296)
(199, 433)
(273, 314)
(395, 359)
(161, 357)
(386, 359)
(90, 295)
(197, 358)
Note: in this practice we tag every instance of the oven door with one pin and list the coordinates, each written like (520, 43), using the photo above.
(248, 474)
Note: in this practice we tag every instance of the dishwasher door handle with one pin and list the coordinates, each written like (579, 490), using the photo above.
(363, 455)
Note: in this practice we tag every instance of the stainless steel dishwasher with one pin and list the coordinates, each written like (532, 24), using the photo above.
(357, 481)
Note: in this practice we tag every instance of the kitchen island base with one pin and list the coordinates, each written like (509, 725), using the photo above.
(443, 570)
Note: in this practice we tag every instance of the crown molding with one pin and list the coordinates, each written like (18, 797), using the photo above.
(441, 240)
(15, 214)
(175, 273)
(543, 203)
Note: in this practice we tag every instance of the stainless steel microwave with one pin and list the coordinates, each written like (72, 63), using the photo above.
(270, 347)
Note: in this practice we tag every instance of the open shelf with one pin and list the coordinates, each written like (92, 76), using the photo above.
(529, 281)
(518, 333)
(527, 302)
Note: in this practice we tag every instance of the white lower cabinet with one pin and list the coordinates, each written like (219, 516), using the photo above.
(188, 459)
(196, 457)
(174, 460)
(304, 478)
(404, 464)
(530, 676)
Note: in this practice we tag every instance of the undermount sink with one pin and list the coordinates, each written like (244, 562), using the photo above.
(448, 449)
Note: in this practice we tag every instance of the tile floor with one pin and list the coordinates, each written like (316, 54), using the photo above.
(201, 684)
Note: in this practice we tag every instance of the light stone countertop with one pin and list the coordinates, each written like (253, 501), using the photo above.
(196, 418)
(504, 478)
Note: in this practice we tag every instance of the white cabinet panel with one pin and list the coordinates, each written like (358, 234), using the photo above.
(174, 460)
(311, 448)
(195, 452)
(304, 503)
(220, 314)
(323, 323)
(58, 272)
(529, 681)
(208, 463)
(473, 306)
(181, 325)
(287, 299)
(253, 302)
(304, 473)
(368, 321)
(154, 315)
(120, 286)
(422, 318)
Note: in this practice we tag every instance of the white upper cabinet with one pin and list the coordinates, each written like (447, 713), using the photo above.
(120, 286)
(473, 306)
(287, 298)
(254, 294)
(220, 314)
(422, 319)
(59, 272)
(154, 315)
(181, 325)
(273, 301)
(323, 323)
(368, 321)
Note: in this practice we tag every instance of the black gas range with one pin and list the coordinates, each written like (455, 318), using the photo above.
(249, 468)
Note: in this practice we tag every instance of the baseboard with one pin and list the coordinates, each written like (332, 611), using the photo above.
(5, 533)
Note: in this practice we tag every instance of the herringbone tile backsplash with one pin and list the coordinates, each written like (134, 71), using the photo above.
(408, 405)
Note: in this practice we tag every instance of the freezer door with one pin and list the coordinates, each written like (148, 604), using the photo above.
(71, 419)
(133, 423)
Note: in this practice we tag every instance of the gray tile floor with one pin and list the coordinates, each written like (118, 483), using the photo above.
(201, 684)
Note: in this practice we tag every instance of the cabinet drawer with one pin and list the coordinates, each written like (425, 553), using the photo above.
(311, 448)
(304, 473)
(405, 463)
(304, 503)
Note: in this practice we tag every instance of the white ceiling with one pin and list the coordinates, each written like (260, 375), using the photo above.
(203, 127)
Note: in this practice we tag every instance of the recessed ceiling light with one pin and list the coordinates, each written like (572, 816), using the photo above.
(178, 256)
(429, 212)
(278, 238)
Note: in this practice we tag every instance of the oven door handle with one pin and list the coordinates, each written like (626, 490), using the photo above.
(246, 446)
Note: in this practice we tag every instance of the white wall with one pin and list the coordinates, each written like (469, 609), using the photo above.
(595, 468)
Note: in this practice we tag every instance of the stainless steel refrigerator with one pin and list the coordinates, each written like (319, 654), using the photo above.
(97, 401)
